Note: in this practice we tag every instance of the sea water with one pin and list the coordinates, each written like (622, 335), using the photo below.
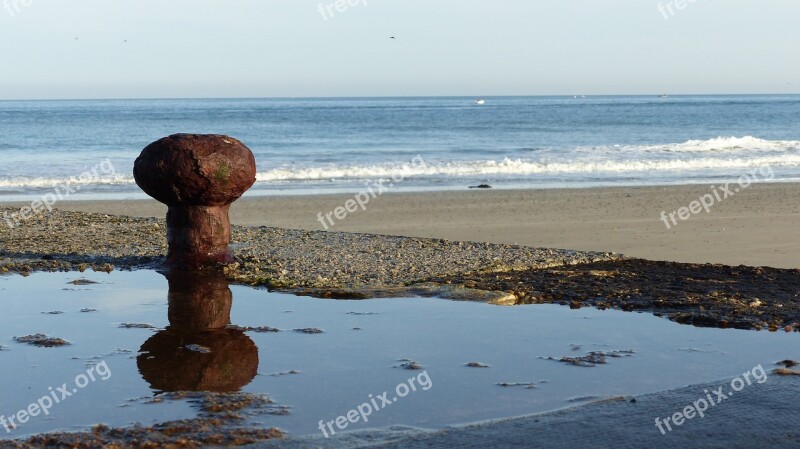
(341, 144)
(358, 355)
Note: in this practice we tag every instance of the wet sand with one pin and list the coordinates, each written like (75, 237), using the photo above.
(757, 226)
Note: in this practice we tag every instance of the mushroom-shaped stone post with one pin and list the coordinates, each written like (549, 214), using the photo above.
(198, 351)
(197, 176)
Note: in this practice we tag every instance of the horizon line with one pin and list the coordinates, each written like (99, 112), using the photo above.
(396, 96)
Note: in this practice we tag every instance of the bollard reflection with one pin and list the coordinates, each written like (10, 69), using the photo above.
(197, 351)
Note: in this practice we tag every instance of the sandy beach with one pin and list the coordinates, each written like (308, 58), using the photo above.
(756, 226)
(510, 259)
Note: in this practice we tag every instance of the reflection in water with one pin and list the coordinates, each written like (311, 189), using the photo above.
(196, 352)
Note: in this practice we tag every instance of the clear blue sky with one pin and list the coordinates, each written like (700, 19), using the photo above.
(268, 48)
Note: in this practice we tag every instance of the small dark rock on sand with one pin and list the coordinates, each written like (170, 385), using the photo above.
(42, 341)
(87, 310)
(54, 312)
(527, 385)
(477, 365)
(309, 330)
(82, 282)
(285, 373)
(481, 186)
(408, 364)
(583, 398)
(136, 326)
(593, 358)
(260, 329)
(788, 363)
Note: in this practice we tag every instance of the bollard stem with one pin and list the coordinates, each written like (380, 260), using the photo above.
(199, 301)
(198, 236)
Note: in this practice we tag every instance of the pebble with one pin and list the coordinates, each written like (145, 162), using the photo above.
(477, 365)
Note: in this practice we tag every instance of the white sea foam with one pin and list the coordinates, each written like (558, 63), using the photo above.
(723, 144)
(520, 167)
(693, 155)
(21, 182)
(733, 153)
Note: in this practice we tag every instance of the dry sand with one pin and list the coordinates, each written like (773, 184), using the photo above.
(757, 226)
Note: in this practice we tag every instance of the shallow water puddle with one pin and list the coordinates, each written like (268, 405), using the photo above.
(473, 361)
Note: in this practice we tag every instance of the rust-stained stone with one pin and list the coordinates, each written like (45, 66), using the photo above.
(168, 364)
(198, 301)
(197, 176)
(198, 351)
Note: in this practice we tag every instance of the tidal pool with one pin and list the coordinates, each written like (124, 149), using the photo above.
(116, 368)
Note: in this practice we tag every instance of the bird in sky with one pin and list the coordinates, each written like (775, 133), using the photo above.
(392, 37)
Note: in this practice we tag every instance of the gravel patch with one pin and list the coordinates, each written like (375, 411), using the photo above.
(318, 263)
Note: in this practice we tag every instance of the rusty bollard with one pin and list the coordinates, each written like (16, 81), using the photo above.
(199, 350)
(197, 176)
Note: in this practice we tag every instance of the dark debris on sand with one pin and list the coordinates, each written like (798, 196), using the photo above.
(593, 358)
(228, 405)
(136, 326)
(786, 370)
(189, 434)
(476, 365)
(219, 425)
(259, 329)
(82, 282)
(527, 385)
(704, 295)
(42, 341)
(310, 330)
(409, 365)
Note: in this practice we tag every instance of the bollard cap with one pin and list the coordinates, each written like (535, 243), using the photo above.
(195, 169)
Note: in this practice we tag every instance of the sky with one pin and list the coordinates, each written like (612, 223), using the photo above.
(57, 49)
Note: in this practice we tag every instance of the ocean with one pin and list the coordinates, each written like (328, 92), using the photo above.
(328, 145)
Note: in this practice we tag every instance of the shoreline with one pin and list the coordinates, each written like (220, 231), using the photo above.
(755, 227)
(761, 406)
